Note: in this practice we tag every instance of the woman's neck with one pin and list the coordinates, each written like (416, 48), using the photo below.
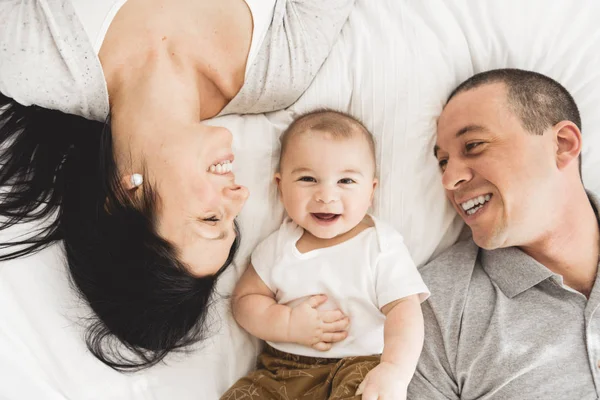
(205, 42)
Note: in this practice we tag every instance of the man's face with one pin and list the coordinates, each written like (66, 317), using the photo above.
(498, 176)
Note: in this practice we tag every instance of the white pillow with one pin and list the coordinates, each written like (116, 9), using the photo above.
(393, 67)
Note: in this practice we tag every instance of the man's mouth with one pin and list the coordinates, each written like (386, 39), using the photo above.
(474, 204)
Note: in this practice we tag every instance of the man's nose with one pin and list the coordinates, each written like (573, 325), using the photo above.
(455, 174)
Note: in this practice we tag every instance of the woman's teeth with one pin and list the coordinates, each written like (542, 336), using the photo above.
(221, 168)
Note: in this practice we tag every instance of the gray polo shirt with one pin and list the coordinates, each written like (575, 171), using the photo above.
(499, 325)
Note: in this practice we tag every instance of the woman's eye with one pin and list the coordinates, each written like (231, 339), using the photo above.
(307, 179)
(211, 219)
(442, 164)
(346, 181)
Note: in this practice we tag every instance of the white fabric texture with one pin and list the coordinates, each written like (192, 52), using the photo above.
(359, 277)
(393, 66)
(46, 59)
(95, 17)
(262, 15)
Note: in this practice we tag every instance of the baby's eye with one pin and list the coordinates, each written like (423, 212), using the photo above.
(307, 179)
(346, 181)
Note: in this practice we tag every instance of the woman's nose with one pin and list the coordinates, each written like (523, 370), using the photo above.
(236, 195)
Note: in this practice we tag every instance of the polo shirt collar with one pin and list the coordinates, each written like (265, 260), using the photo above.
(514, 271)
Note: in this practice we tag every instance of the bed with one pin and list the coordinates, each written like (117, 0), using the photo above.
(393, 66)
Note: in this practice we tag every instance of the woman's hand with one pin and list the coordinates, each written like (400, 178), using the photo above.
(317, 329)
(383, 383)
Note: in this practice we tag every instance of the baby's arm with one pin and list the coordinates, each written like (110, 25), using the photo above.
(403, 341)
(256, 310)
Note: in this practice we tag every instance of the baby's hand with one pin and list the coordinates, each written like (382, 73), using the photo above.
(382, 382)
(317, 329)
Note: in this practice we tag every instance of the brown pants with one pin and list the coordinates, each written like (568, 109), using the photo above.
(284, 376)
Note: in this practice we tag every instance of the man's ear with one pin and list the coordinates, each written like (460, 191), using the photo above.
(568, 143)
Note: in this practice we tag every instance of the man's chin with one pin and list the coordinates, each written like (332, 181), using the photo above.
(488, 241)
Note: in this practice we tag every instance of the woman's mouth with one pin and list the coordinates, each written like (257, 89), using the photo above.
(221, 168)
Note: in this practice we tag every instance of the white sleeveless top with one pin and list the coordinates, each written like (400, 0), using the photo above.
(49, 52)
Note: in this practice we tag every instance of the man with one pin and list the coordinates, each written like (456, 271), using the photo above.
(513, 312)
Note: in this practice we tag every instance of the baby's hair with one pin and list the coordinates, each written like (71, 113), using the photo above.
(336, 123)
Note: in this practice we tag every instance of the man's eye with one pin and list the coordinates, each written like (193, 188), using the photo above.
(307, 179)
(346, 181)
(471, 146)
(211, 219)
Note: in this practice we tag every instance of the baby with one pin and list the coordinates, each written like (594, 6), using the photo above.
(334, 291)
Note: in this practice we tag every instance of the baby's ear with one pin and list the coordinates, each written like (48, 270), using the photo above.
(277, 179)
(375, 183)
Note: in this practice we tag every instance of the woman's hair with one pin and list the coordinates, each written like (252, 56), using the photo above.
(59, 170)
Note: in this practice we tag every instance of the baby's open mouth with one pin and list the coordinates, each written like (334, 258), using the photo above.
(325, 217)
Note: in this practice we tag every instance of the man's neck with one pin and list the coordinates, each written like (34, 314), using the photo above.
(571, 249)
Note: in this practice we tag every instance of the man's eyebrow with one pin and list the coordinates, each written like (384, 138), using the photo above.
(461, 132)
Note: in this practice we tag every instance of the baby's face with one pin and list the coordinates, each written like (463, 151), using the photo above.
(326, 183)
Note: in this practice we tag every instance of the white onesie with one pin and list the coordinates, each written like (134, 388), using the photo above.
(359, 276)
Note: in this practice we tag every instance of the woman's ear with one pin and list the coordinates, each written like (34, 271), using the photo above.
(132, 182)
(568, 143)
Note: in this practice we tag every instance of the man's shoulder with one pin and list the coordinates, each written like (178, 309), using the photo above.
(449, 274)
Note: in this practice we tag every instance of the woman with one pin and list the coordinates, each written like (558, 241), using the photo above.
(100, 126)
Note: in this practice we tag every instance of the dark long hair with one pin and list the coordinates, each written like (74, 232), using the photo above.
(59, 170)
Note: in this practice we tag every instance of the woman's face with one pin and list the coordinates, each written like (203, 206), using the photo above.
(198, 196)
(156, 129)
(189, 167)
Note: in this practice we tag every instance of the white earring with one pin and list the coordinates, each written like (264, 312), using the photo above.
(137, 180)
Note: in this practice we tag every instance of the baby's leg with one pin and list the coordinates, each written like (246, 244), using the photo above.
(349, 374)
(283, 376)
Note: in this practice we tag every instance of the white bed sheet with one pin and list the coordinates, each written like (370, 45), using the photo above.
(393, 67)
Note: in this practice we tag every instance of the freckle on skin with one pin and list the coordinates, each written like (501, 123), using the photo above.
(164, 38)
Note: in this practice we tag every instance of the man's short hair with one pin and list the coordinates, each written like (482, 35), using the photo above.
(336, 123)
(539, 101)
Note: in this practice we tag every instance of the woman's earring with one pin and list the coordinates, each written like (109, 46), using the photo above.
(136, 180)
